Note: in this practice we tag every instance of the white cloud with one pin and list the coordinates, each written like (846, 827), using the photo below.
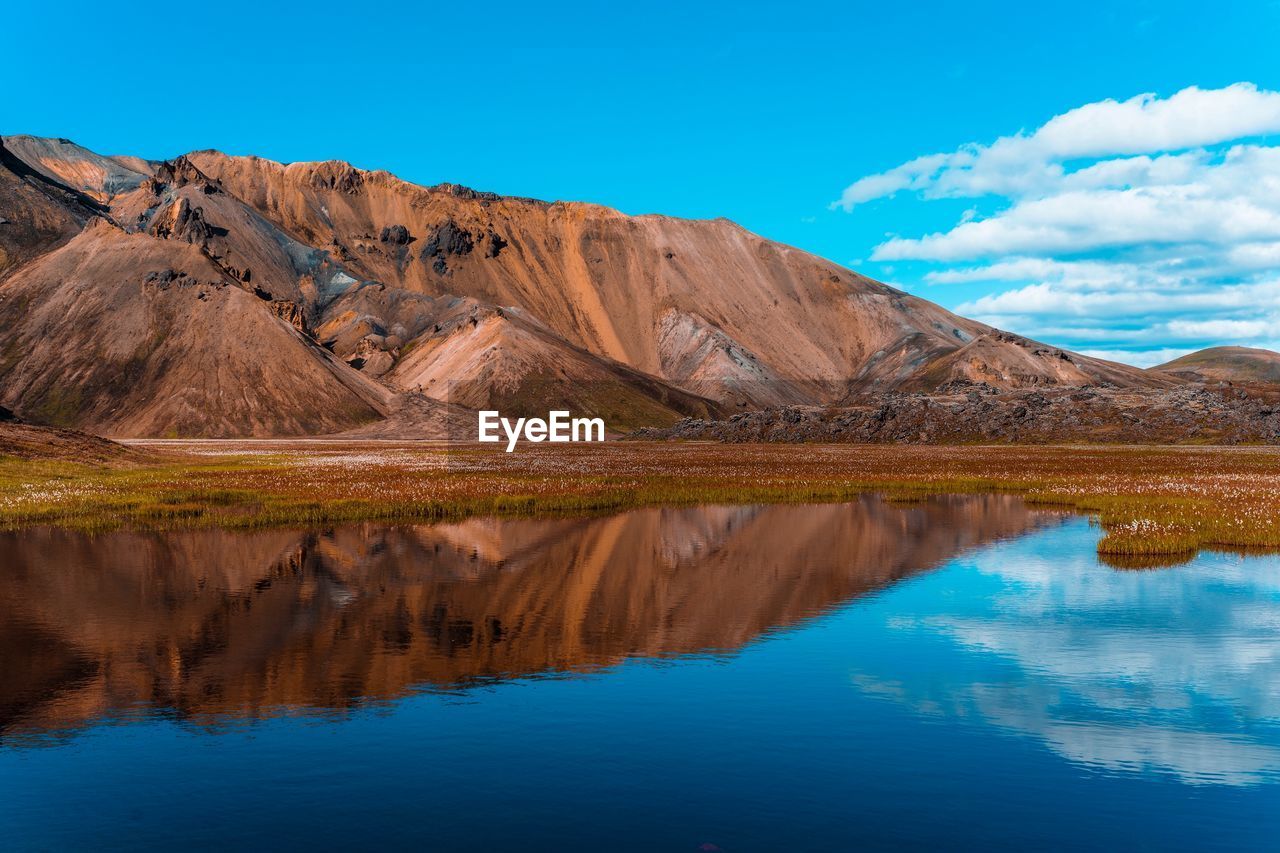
(1149, 221)
(1143, 124)
(1220, 209)
(1249, 329)
(1254, 256)
(1142, 325)
(1072, 274)
(1190, 118)
(914, 175)
(1101, 302)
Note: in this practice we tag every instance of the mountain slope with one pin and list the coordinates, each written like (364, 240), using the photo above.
(39, 442)
(126, 334)
(494, 359)
(1226, 364)
(37, 213)
(704, 304)
(82, 170)
(1003, 360)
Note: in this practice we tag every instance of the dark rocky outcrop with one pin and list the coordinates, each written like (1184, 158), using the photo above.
(338, 176)
(976, 412)
(496, 245)
(186, 223)
(292, 313)
(162, 279)
(180, 172)
(396, 235)
(459, 191)
(449, 238)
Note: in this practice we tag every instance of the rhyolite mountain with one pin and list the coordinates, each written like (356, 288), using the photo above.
(212, 295)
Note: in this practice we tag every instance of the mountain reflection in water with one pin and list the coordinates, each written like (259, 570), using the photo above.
(213, 624)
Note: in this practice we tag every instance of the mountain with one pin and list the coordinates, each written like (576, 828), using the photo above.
(1226, 364)
(703, 304)
(212, 295)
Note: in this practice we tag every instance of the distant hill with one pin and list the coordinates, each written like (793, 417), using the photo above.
(1226, 364)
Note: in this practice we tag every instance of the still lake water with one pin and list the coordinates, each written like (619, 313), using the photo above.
(954, 674)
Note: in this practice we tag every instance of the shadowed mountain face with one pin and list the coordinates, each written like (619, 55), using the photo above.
(37, 213)
(369, 296)
(210, 624)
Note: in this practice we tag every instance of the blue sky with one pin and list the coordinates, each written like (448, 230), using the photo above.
(763, 113)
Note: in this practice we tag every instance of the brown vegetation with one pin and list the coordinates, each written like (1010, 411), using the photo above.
(1149, 500)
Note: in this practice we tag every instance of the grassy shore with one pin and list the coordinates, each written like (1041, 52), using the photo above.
(1155, 504)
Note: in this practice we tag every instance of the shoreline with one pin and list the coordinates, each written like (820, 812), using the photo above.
(1154, 503)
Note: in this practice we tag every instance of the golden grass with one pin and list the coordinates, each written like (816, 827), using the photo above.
(1154, 504)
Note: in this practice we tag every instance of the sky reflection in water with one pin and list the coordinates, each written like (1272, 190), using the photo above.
(1173, 670)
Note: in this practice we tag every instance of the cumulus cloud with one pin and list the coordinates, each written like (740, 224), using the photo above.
(1220, 202)
(1118, 212)
(1143, 124)
(1150, 319)
(1101, 302)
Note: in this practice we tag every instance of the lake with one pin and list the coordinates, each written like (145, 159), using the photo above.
(953, 673)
